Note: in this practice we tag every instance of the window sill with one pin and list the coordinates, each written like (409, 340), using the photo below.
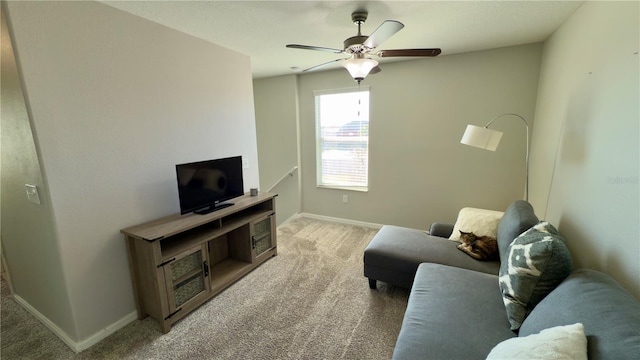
(347, 188)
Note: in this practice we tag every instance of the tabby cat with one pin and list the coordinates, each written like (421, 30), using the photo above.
(479, 247)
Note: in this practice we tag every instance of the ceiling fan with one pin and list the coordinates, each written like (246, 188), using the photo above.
(360, 48)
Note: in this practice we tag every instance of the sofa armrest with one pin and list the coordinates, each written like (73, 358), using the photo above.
(441, 230)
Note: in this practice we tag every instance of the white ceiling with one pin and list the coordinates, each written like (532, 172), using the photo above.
(261, 29)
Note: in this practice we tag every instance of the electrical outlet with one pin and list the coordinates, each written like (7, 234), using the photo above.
(345, 198)
(32, 193)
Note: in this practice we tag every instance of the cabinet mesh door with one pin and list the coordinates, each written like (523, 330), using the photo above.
(188, 289)
(263, 244)
(185, 265)
(262, 236)
(188, 277)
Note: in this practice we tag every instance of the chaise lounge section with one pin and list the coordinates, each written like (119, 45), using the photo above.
(394, 254)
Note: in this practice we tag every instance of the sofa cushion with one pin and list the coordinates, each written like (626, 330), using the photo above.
(478, 221)
(610, 315)
(558, 343)
(538, 261)
(518, 218)
(452, 313)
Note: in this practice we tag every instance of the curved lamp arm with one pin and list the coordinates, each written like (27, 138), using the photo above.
(491, 138)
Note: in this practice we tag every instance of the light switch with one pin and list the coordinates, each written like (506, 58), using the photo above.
(245, 164)
(32, 193)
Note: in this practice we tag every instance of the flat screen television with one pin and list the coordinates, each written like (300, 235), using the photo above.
(205, 186)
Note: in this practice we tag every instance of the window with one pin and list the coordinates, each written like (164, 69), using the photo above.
(342, 139)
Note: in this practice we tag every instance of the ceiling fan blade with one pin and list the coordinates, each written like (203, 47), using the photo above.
(308, 47)
(375, 70)
(387, 29)
(409, 52)
(322, 65)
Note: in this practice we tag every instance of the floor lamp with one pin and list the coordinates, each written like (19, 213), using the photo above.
(488, 139)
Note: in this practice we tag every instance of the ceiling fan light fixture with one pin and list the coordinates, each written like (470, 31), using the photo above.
(359, 68)
(359, 46)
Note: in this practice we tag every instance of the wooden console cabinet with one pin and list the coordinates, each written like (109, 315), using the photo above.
(179, 262)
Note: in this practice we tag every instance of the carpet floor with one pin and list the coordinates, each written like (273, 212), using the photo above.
(309, 302)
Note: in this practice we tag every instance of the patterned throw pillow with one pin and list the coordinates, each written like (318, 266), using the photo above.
(538, 261)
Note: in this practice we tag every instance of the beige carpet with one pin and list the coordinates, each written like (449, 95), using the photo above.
(309, 302)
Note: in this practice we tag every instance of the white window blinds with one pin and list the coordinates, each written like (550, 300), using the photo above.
(342, 139)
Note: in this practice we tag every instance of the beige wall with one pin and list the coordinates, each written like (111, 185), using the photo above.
(115, 102)
(28, 231)
(418, 170)
(276, 102)
(585, 160)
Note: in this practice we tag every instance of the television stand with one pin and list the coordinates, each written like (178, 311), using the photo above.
(212, 208)
(179, 262)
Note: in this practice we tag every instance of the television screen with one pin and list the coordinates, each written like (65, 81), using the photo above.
(204, 186)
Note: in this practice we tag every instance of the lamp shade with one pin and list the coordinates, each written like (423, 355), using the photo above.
(481, 137)
(359, 67)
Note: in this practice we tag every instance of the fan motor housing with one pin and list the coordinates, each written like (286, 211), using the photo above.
(353, 45)
(359, 17)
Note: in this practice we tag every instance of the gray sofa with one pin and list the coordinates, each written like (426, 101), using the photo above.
(456, 310)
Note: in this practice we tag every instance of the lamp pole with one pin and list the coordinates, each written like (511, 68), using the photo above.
(527, 155)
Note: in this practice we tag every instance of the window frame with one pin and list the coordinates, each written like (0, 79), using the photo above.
(320, 141)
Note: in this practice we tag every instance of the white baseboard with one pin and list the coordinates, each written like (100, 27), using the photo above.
(104, 333)
(291, 218)
(76, 346)
(341, 220)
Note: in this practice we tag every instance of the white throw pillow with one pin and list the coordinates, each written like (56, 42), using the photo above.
(558, 343)
(478, 221)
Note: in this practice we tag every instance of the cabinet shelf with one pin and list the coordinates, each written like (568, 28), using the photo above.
(178, 243)
(228, 271)
(180, 261)
(176, 224)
